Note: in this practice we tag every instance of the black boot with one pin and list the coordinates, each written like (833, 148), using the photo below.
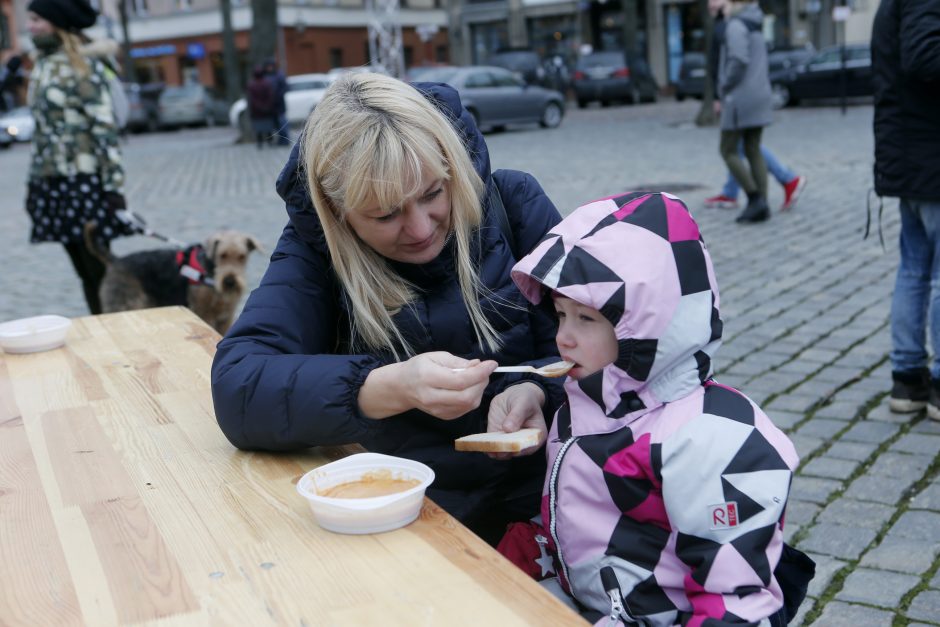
(910, 390)
(756, 210)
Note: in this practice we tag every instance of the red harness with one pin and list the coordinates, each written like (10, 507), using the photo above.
(190, 267)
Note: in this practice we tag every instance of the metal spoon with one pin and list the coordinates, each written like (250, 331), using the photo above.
(557, 369)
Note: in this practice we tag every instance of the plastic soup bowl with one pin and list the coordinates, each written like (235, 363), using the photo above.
(31, 335)
(371, 514)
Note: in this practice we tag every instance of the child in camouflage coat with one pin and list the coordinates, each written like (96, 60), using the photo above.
(75, 172)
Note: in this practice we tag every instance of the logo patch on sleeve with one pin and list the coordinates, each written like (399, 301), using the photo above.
(723, 515)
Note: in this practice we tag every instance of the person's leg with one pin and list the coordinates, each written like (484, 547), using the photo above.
(729, 152)
(731, 189)
(782, 173)
(755, 158)
(928, 213)
(90, 270)
(908, 318)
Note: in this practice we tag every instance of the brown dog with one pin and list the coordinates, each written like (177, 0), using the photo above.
(207, 278)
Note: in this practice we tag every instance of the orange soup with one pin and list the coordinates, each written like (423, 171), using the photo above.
(375, 483)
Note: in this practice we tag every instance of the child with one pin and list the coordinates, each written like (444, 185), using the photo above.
(666, 491)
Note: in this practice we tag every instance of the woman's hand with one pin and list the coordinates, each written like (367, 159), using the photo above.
(518, 407)
(426, 382)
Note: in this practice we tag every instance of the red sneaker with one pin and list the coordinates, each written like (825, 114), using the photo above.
(792, 191)
(721, 202)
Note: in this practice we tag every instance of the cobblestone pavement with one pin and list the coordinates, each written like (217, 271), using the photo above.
(804, 298)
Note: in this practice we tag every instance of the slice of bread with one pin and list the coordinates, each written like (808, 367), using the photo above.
(498, 442)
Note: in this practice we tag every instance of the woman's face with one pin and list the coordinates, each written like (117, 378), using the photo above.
(38, 26)
(415, 232)
(584, 337)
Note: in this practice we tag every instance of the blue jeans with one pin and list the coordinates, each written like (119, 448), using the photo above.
(782, 173)
(916, 300)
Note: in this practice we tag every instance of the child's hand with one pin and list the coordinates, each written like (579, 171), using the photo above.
(518, 407)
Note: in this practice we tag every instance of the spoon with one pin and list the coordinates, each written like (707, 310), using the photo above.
(557, 369)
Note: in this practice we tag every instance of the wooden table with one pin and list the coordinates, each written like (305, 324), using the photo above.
(122, 502)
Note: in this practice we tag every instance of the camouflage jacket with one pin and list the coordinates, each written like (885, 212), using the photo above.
(75, 129)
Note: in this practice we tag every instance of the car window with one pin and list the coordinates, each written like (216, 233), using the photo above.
(505, 79)
(601, 59)
(307, 84)
(479, 79)
(858, 54)
(827, 56)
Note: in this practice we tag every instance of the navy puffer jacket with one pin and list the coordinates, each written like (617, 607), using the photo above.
(282, 378)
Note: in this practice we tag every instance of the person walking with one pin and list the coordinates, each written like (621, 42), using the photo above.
(388, 301)
(905, 59)
(745, 106)
(261, 106)
(728, 198)
(75, 174)
(279, 82)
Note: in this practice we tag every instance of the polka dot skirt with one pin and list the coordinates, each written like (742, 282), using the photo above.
(60, 206)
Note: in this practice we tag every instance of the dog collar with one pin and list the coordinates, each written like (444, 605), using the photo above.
(191, 268)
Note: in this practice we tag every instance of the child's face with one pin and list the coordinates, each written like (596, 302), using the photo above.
(584, 337)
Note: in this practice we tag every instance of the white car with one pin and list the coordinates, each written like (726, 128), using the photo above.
(18, 124)
(304, 91)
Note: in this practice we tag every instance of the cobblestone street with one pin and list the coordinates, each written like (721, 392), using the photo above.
(804, 298)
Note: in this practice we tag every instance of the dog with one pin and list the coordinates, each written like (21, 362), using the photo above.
(208, 278)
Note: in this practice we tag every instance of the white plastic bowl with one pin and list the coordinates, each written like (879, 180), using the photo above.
(366, 515)
(31, 335)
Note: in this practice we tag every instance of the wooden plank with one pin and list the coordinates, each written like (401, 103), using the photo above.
(35, 584)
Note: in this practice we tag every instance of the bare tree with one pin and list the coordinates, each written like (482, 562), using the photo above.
(706, 114)
(630, 48)
(263, 31)
(229, 57)
(130, 72)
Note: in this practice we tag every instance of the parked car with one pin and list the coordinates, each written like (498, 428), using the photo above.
(785, 58)
(19, 124)
(418, 73)
(304, 92)
(5, 140)
(495, 97)
(605, 77)
(822, 76)
(190, 104)
(144, 107)
(691, 83)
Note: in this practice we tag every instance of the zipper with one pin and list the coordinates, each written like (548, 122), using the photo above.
(553, 501)
(612, 588)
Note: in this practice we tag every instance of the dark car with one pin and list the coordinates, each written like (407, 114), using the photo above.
(824, 75)
(495, 97)
(691, 83)
(144, 110)
(605, 77)
(526, 63)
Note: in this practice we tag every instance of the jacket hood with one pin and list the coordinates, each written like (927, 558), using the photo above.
(640, 260)
(752, 17)
(292, 185)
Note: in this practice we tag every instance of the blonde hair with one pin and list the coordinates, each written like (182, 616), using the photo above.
(71, 44)
(368, 143)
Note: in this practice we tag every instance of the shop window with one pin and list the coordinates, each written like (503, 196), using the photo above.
(140, 7)
(487, 38)
(441, 54)
(184, 5)
(409, 56)
(336, 57)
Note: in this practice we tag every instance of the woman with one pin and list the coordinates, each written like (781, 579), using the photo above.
(744, 88)
(260, 93)
(392, 271)
(75, 174)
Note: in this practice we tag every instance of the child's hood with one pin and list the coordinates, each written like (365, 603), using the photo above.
(640, 260)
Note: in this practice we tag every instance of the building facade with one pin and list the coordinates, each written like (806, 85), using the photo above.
(666, 29)
(176, 40)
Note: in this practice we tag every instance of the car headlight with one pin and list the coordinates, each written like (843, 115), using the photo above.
(13, 131)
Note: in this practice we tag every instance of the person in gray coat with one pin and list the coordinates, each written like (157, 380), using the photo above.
(744, 89)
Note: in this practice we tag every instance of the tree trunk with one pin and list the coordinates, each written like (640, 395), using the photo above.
(263, 31)
(706, 115)
(130, 72)
(629, 31)
(229, 57)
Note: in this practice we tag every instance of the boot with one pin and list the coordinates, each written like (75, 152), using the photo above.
(756, 210)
